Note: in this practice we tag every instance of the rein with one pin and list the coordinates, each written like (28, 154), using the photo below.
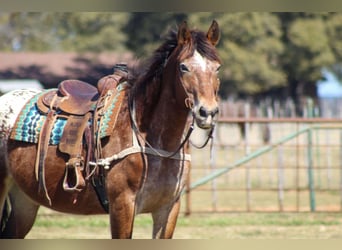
(138, 148)
(158, 152)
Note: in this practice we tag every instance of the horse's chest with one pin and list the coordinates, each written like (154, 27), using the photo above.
(162, 185)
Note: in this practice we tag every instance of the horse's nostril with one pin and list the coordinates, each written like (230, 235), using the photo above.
(203, 112)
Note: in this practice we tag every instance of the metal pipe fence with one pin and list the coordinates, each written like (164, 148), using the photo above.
(298, 170)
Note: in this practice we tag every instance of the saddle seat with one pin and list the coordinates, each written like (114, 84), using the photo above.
(73, 97)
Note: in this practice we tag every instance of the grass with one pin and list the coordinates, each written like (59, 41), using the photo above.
(197, 226)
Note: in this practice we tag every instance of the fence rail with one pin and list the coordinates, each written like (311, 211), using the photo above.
(299, 169)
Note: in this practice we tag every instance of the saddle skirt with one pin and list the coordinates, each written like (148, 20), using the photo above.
(31, 119)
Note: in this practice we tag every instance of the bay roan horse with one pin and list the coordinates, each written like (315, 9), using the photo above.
(181, 78)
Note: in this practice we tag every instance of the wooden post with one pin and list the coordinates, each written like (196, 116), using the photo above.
(212, 168)
(247, 152)
(188, 192)
(297, 170)
(280, 179)
(340, 170)
(310, 173)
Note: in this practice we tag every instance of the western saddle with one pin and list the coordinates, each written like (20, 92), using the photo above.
(81, 105)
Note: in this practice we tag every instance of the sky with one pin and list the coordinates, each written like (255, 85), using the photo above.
(331, 87)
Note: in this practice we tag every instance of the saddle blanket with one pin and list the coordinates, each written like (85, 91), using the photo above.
(30, 120)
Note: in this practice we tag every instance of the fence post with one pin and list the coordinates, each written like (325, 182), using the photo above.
(310, 173)
(247, 152)
(297, 170)
(212, 169)
(280, 179)
(340, 170)
(188, 191)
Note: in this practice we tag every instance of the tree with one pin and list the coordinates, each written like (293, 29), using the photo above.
(71, 31)
(261, 51)
(145, 30)
(250, 48)
(334, 32)
(307, 52)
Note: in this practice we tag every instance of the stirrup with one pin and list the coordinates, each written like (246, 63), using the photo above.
(73, 178)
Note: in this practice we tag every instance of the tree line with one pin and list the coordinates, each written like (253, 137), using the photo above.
(263, 53)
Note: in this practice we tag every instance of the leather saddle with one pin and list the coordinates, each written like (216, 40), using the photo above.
(75, 101)
(79, 103)
(72, 97)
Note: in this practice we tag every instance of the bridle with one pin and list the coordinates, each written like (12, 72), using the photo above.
(138, 146)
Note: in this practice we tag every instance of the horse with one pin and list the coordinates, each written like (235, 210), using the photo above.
(144, 160)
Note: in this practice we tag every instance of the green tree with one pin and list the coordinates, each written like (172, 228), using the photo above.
(250, 48)
(71, 31)
(25, 31)
(334, 32)
(307, 52)
(260, 51)
(92, 31)
(145, 30)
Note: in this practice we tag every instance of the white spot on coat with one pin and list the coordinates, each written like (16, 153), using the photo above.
(10, 106)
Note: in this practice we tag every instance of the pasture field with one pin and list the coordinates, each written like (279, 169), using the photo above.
(273, 187)
(299, 175)
(52, 225)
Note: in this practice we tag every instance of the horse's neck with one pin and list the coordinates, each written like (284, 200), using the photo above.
(165, 124)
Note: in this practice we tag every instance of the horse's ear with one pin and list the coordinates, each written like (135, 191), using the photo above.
(213, 34)
(184, 34)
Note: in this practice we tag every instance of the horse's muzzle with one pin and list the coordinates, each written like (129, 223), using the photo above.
(204, 117)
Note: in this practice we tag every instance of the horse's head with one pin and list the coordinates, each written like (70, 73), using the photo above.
(197, 67)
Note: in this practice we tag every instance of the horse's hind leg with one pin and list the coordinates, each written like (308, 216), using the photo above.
(5, 184)
(21, 213)
(164, 221)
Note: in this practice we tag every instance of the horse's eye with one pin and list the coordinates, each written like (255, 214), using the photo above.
(183, 68)
(218, 69)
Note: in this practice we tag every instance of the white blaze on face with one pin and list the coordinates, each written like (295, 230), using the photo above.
(199, 60)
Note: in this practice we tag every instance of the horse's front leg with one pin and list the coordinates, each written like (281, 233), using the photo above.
(121, 210)
(164, 221)
(123, 183)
